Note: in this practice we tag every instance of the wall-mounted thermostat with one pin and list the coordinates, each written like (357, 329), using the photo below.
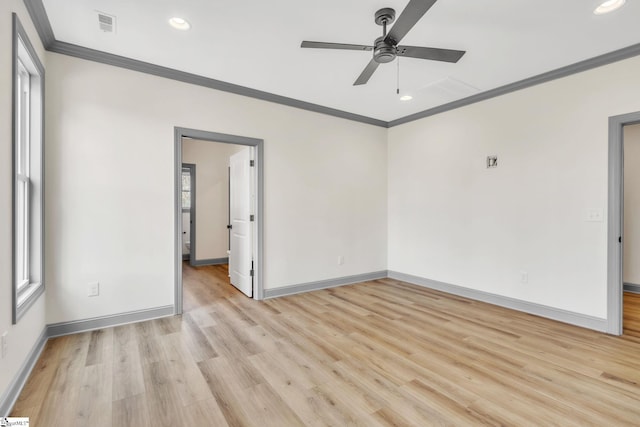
(492, 162)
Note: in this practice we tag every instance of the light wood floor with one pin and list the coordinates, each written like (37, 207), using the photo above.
(381, 353)
(631, 314)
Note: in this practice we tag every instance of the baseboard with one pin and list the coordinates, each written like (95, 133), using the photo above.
(632, 287)
(76, 326)
(323, 284)
(560, 315)
(10, 396)
(212, 261)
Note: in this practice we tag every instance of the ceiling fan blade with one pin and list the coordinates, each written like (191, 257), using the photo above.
(432, 53)
(323, 45)
(408, 18)
(366, 73)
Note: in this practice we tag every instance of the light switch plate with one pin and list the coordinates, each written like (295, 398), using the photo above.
(4, 345)
(93, 289)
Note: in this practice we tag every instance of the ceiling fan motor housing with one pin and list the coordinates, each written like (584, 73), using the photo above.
(383, 52)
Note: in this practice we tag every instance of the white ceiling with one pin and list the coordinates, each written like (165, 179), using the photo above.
(256, 43)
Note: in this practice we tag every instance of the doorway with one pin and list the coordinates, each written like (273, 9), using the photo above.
(256, 225)
(615, 231)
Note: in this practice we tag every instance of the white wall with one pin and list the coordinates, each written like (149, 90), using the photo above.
(453, 220)
(110, 185)
(212, 194)
(21, 337)
(631, 241)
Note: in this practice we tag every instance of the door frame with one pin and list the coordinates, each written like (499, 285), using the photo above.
(180, 133)
(615, 220)
(192, 211)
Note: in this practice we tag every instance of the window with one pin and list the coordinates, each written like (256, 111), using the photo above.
(186, 189)
(28, 197)
(22, 179)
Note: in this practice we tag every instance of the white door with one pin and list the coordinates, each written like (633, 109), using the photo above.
(186, 233)
(240, 257)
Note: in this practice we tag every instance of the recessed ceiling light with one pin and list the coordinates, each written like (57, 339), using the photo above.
(179, 23)
(406, 98)
(608, 6)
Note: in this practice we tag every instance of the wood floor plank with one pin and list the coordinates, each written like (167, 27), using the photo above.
(184, 374)
(128, 379)
(390, 418)
(278, 373)
(131, 412)
(267, 409)
(343, 411)
(229, 395)
(204, 413)
(391, 394)
(62, 397)
(198, 344)
(100, 347)
(201, 316)
(94, 401)
(163, 402)
(290, 390)
(149, 345)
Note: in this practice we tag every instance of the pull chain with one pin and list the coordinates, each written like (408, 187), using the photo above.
(398, 77)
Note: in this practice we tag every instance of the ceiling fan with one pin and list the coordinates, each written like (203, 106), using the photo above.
(385, 48)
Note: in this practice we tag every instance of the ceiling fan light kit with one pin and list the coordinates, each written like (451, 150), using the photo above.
(385, 48)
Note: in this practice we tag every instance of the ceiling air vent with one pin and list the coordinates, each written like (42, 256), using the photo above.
(107, 22)
(448, 89)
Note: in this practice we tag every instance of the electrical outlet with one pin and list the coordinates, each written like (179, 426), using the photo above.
(340, 260)
(524, 277)
(94, 289)
(4, 344)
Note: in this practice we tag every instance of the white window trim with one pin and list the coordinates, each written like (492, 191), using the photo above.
(28, 174)
(22, 205)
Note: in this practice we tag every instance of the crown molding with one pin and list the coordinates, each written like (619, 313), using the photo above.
(578, 67)
(181, 76)
(43, 26)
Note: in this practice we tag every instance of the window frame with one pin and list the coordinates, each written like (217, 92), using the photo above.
(27, 277)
